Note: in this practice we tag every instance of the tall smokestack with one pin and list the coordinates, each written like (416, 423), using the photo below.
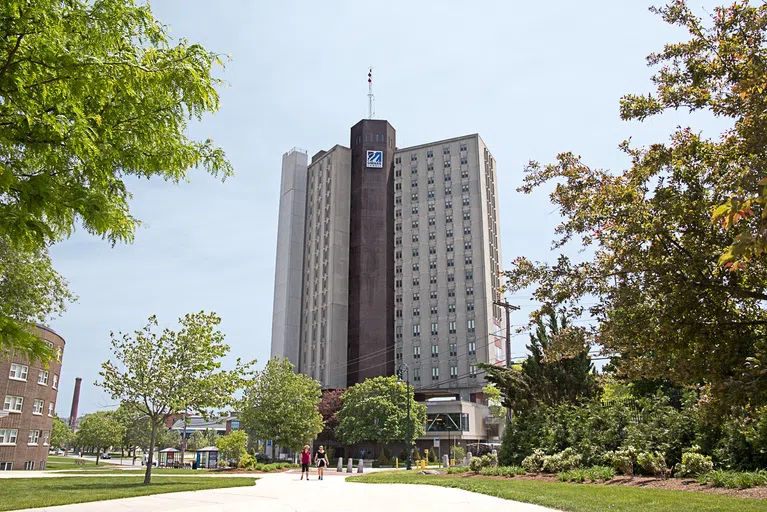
(75, 404)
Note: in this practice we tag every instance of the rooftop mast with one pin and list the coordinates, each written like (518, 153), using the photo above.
(370, 94)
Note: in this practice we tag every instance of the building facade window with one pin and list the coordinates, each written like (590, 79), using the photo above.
(472, 348)
(435, 373)
(453, 350)
(470, 325)
(13, 403)
(55, 381)
(18, 372)
(6, 466)
(29, 465)
(8, 436)
(434, 329)
(39, 405)
(416, 351)
(453, 371)
(416, 374)
(50, 408)
(42, 377)
(34, 437)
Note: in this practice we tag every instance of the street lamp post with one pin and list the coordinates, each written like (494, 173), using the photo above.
(403, 368)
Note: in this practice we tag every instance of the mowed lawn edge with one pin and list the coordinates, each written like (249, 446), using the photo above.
(21, 493)
(572, 497)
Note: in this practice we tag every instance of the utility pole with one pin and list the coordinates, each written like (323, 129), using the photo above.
(508, 307)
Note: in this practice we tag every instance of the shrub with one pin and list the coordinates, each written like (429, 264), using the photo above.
(694, 463)
(593, 474)
(475, 464)
(489, 460)
(622, 460)
(507, 471)
(383, 460)
(652, 463)
(600, 473)
(565, 460)
(734, 479)
(458, 453)
(247, 461)
(458, 470)
(573, 475)
(432, 456)
(533, 463)
(416, 454)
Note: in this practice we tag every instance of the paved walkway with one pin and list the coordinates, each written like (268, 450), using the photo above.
(285, 493)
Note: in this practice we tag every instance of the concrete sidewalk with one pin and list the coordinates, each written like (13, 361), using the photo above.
(285, 493)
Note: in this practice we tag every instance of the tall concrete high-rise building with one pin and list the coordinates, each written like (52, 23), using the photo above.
(447, 262)
(286, 312)
(400, 264)
(325, 290)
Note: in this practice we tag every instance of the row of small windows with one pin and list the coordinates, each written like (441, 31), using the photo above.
(15, 404)
(451, 328)
(430, 153)
(21, 371)
(9, 436)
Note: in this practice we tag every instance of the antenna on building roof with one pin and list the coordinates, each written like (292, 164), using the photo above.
(370, 94)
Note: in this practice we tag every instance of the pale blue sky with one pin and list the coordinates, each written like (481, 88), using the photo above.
(533, 78)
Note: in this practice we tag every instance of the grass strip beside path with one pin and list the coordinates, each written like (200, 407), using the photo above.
(57, 462)
(20, 493)
(576, 497)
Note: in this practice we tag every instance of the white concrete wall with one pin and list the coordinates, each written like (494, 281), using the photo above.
(286, 313)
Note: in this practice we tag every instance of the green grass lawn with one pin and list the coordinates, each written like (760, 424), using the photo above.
(56, 462)
(19, 493)
(577, 497)
(141, 470)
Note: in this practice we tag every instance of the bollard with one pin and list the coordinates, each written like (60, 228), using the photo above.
(349, 465)
(361, 467)
(495, 453)
(452, 462)
(396, 463)
(445, 461)
(423, 463)
(468, 455)
(340, 464)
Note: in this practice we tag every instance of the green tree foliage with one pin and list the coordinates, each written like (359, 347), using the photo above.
(61, 435)
(137, 428)
(281, 405)
(494, 401)
(99, 431)
(30, 292)
(232, 446)
(376, 410)
(91, 93)
(664, 303)
(164, 373)
(541, 379)
(196, 441)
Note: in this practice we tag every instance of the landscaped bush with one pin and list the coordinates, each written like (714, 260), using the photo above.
(507, 471)
(694, 463)
(477, 464)
(563, 461)
(458, 470)
(734, 479)
(623, 461)
(652, 463)
(247, 461)
(533, 463)
(593, 474)
(458, 452)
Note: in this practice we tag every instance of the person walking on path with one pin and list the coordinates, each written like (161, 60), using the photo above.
(321, 459)
(306, 459)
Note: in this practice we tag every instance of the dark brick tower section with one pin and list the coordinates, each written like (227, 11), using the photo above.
(371, 253)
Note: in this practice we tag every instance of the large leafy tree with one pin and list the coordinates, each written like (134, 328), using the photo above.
(666, 306)
(281, 405)
(376, 410)
(92, 93)
(161, 374)
(100, 431)
(61, 435)
(30, 292)
(542, 379)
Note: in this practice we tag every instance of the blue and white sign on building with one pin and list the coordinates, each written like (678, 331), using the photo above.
(375, 159)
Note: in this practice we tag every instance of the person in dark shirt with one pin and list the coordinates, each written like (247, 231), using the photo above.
(321, 459)
(306, 459)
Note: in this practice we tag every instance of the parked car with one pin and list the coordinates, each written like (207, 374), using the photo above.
(106, 456)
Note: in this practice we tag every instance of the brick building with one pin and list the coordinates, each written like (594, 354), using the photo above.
(29, 391)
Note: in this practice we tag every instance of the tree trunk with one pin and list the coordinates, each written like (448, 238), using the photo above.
(183, 441)
(150, 458)
(273, 450)
(98, 454)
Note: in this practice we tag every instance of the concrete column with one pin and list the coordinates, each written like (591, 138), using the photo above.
(361, 467)
(445, 461)
(340, 464)
(350, 465)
